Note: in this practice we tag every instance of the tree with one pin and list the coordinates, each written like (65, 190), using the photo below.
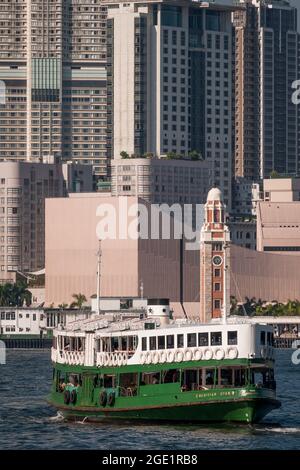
(274, 174)
(124, 154)
(171, 156)
(63, 306)
(195, 155)
(80, 299)
(15, 295)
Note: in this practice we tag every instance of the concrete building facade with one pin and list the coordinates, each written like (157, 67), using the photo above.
(267, 121)
(169, 81)
(24, 187)
(159, 180)
(52, 61)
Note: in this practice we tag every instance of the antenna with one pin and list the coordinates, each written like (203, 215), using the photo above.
(142, 289)
(99, 253)
(225, 269)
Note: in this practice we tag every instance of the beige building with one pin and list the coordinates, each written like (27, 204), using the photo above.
(165, 268)
(159, 180)
(23, 189)
(281, 190)
(52, 61)
(278, 227)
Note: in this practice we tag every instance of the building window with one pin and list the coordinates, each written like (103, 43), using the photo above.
(217, 272)
(217, 287)
(217, 304)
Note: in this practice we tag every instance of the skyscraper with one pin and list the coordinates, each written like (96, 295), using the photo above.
(169, 81)
(52, 60)
(267, 53)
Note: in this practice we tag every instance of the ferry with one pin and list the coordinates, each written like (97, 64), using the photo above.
(148, 366)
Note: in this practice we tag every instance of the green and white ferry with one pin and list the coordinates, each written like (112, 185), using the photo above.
(150, 367)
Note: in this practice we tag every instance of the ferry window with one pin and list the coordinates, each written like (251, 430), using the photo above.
(209, 377)
(269, 338)
(114, 343)
(216, 338)
(150, 378)
(152, 343)
(170, 341)
(109, 381)
(161, 342)
(203, 339)
(232, 337)
(2, 315)
(144, 344)
(191, 340)
(191, 379)
(262, 337)
(170, 376)
(128, 384)
(240, 377)
(180, 343)
(225, 377)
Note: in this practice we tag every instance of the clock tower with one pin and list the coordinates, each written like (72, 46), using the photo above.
(214, 260)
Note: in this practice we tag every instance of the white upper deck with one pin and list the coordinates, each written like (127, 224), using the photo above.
(119, 340)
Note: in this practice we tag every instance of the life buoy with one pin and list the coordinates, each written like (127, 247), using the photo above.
(162, 357)
(179, 356)
(263, 352)
(148, 357)
(142, 358)
(106, 359)
(101, 359)
(124, 359)
(111, 399)
(103, 398)
(188, 355)
(219, 354)
(232, 352)
(120, 360)
(170, 356)
(208, 354)
(155, 357)
(67, 396)
(73, 396)
(197, 354)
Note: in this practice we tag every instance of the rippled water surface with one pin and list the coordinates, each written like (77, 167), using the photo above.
(28, 422)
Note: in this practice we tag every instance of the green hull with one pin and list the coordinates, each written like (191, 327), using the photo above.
(165, 401)
(246, 411)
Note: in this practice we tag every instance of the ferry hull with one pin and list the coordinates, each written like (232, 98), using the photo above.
(242, 411)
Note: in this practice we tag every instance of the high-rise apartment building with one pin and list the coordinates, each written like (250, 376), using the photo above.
(267, 122)
(24, 187)
(52, 60)
(169, 81)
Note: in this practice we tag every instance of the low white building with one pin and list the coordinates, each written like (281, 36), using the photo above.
(21, 321)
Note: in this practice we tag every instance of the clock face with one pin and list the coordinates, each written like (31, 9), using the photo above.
(217, 260)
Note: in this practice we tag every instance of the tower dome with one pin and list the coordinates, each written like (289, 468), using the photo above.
(214, 195)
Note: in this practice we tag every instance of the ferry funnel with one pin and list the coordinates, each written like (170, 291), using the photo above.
(159, 309)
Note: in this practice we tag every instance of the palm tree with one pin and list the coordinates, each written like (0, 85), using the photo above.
(63, 306)
(80, 299)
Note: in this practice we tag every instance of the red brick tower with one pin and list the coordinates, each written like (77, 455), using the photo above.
(214, 260)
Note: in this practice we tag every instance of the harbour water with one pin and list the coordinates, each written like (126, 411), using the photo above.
(28, 422)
